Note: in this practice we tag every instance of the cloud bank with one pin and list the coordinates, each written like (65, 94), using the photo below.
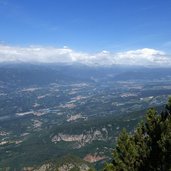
(33, 54)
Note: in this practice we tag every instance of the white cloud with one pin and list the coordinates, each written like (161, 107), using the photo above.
(144, 56)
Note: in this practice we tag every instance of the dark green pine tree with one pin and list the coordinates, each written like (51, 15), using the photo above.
(148, 148)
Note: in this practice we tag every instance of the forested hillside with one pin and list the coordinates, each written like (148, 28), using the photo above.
(148, 148)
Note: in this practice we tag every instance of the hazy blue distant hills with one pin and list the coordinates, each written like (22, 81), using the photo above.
(30, 74)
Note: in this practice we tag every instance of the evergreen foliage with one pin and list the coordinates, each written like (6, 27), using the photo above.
(148, 148)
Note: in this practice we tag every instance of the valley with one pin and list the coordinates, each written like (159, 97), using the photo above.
(45, 119)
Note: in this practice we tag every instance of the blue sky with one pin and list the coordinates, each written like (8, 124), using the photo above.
(87, 26)
(90, 25)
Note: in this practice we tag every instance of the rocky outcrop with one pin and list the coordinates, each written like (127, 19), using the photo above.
(71, 166)
(44, 167)
(83, 138)
(66, 167)
(93, 158)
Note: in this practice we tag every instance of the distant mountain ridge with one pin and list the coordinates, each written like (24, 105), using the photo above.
(29, 74)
